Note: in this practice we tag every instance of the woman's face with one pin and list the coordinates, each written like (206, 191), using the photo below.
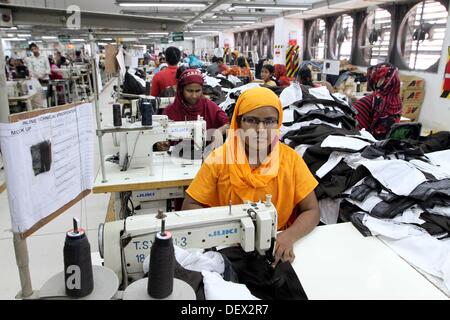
(192, 92)
(259, 128)
(265, 74)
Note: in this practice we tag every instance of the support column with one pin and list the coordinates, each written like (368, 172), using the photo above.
(286, 29)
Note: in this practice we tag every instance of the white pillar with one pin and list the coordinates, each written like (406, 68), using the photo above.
(287, 29)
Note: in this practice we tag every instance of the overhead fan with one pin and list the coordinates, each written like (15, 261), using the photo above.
(264, 43)
(342, 33)
(374, 36)
(421, 31)
(316, 39)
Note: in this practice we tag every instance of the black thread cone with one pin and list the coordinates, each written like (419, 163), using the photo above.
(162, 268)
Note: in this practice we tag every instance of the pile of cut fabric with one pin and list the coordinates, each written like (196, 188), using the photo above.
(397, 190)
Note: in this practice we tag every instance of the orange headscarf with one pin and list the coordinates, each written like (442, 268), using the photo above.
(243, 178)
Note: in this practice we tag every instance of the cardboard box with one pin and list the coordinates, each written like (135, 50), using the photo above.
(412, 83)
(412, 111)
(413, 96)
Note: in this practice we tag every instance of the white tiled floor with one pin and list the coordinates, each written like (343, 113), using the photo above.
(45, 247)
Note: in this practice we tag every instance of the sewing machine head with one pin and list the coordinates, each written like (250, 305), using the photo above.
(125, 244)
(136, 145)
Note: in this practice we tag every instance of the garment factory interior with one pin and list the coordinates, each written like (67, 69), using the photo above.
(225, 149)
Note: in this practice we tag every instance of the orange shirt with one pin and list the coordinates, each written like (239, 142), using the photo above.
(212, 185)
(240, 72)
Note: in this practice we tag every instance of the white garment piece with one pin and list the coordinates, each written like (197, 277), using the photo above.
(195, 260)
(440, 159)
(368, 203)
(436, 171)
(321, 93)
(344, 142)
(298, 125)
(200, 261)
(352, 159)
(288, 115)
(333, 160)
(415, 245)
(291, 94)
(216, 288)
(398, 176)
(224, 105)
(301, 149)
(439, 210)
(410, 215)
(329, 210)
(210, 81)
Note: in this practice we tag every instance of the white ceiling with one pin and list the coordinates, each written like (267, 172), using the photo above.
(223, 20)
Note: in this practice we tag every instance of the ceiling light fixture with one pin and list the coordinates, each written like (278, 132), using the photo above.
(162, 4)
(270, 6)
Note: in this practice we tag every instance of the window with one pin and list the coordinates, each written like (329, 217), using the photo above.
(341, 38)
(375, 36)
(317, 40)
(421, 35)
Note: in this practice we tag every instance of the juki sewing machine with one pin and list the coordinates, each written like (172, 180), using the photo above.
(136, 142)
(124, 244)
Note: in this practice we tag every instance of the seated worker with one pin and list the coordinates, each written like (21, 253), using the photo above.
(213, 68)
(304, 77)
(267, 75)
(253, 163)
(167, 77)
(241, 70)
(281, 75)
(378, 111)
(190, 102)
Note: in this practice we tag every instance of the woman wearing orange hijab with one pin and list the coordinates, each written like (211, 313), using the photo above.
(253, 163)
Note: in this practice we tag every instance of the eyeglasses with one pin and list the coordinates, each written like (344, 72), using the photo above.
(268, 122)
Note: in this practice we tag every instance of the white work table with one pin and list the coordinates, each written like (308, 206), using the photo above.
(167, 172)
(337, 262)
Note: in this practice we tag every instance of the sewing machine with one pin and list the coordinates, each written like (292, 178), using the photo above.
(124, 244)
(136, 141)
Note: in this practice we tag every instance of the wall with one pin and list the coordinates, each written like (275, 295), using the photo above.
(186, 45)
(202, 44)
(435, 113)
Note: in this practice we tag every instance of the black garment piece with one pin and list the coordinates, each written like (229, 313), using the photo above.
(356, 219)
(436, 225)
(388, 210)
(337, 180)
(261, 279)
(328, 115)
(276, 90)
(435, 142)
(310, 99)
(400, 149)
(225, 83)
(360, 192)
(428, 189)
(314, 134)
